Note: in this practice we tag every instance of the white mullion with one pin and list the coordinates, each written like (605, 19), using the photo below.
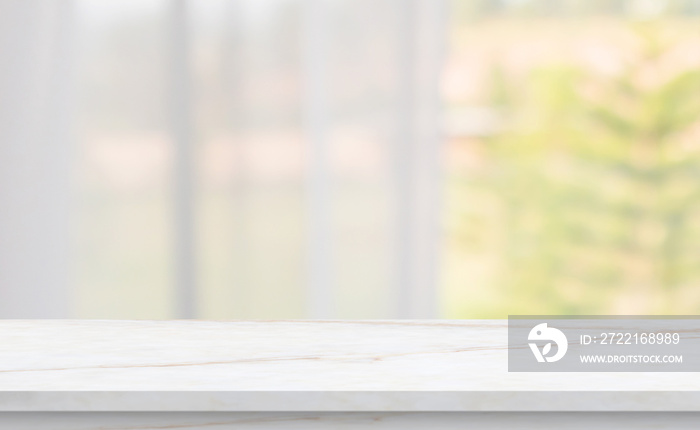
(416, 158)
(182, 132)
(320, 287)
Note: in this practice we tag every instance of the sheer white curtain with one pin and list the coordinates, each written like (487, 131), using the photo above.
(35, 157)
(220, 158)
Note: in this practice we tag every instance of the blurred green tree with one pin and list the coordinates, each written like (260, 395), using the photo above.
(596, 181)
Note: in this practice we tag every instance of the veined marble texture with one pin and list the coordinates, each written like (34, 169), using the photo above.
(296, 366)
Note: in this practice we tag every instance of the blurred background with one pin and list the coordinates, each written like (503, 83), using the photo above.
(277, 159)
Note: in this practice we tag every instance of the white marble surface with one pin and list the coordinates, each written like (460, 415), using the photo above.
(348, 420)
(54, 365)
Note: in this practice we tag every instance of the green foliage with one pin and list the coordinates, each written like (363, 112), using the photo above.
(595, 179)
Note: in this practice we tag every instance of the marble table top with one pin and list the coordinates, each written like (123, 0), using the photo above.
(399, 365)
